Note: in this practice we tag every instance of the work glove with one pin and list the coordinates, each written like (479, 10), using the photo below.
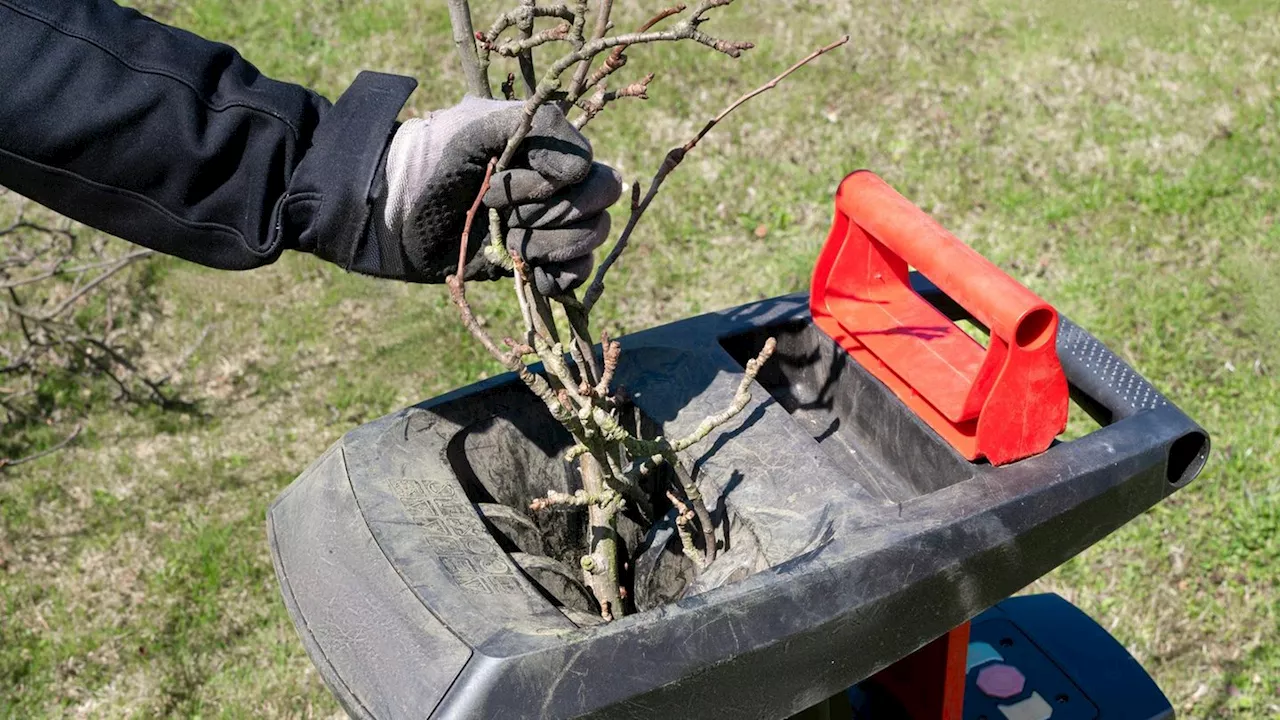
(552, 202)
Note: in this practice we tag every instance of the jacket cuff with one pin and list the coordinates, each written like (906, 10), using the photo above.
(330, 196)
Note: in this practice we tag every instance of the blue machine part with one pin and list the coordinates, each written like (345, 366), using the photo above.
(1038, 657)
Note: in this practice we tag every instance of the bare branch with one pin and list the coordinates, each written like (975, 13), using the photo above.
(13, 462)
(115, 267)
(526, 314)
(58, 270)
(614, 62)
(686, 30)
(577, 32)
(513, 17)
(762, 89)
(544, 324)
(612, 351)
(471, 216)
(552, 357)
(464, 40)
(600, 566)
(596, 289)
(580, 361)
(683, 517)
(617, 59)
(672, 160)
(522, 47)
(48, 270)
(581, 400)
(525, 25)
(542, 312)
(580, 75)
(740, 399)
(591, 108)
(119, 359)
(511, 360)
(653, 453)
(699, 504)
(579, 499)
(663, 14)
(559, 407)
(542, 321)
(580, 329)
(457, 282)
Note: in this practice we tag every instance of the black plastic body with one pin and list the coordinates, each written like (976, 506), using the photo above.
(857, 534)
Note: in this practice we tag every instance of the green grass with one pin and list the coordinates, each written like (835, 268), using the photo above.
(1120, 158)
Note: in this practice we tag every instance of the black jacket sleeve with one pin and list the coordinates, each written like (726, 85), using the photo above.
(176, 143)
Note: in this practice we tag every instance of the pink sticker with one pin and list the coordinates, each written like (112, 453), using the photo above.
(1000, 681)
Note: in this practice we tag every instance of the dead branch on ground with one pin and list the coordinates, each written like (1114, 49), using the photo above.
(69, 318)
(14, 462)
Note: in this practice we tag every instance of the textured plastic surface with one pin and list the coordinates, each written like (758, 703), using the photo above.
(857, 535)
(1005, 402)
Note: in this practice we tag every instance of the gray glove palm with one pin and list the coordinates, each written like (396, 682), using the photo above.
(553, 201)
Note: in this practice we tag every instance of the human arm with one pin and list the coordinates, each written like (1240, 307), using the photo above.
(177, 143)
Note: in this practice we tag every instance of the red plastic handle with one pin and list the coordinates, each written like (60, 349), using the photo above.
(1005, 402)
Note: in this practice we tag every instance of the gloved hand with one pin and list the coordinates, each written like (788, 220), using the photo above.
(552, 201)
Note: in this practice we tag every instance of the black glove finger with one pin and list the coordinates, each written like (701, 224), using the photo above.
(516, 187)
(522, 186)
(553, 155)
(499, 120)
(558, 278)
(555, 148)
(556, 245)
(592, 196)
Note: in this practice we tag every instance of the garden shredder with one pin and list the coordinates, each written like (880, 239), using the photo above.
(892, 483)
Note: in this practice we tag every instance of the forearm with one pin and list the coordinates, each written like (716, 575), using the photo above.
(176, 143)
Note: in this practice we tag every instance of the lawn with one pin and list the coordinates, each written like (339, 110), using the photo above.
(1120, 158)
